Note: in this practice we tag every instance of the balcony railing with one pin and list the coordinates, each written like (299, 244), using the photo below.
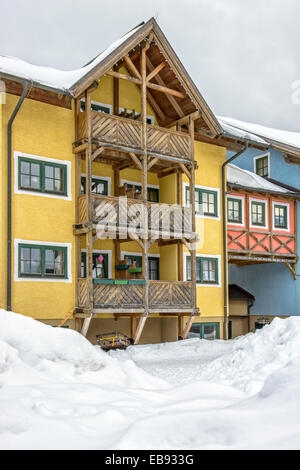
(259, 243)
(121, 212)
(127, 134)
(163, 295)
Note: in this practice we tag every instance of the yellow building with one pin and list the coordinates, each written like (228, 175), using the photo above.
(128, 128)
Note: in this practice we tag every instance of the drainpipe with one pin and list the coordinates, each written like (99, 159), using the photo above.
(225, 276)
(249, 306)
(9, 211)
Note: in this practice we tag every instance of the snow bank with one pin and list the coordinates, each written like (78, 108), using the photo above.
(57, 391)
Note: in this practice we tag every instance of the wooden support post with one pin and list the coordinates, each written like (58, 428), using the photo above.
(139, 329)
(192, 199)
(179, 242)
(89, 197)
(188, 327)
(116, 93)
(86, 325)
(116, 181)
(133, 326)
(180, 326)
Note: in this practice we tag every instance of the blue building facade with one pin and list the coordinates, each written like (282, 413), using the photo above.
(275, 289)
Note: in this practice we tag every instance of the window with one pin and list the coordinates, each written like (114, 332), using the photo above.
(206, 201)
(206, 270)
(280, 216)
(42, 261)
(258, 213)
(234, 210)
(262, 165)
(153, 193)
(208, 331)
(153, 265)
(45, 177)
(100, 107)
(99, 186)
(100, 268)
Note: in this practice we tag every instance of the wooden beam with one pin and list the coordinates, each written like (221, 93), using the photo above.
(139, 329)
(165, 89)
(97, 153)
(185, 170)
(86, 324)
(136, 160)
(184, 120)
(132, 68)
(116, 93)
(155, 71)
(152, 163)
(162, 83)
(80, 148)
(188, 327)
(129, 78)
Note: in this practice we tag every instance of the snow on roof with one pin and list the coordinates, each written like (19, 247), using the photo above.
(280, 136)
(240, 134)
(247, 179)
(54, 78)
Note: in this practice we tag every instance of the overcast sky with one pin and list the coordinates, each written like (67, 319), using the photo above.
(243, 55)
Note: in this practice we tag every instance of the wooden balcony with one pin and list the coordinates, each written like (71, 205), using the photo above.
(126, 134)
(164, 296)
(121, 212)
(257, 245)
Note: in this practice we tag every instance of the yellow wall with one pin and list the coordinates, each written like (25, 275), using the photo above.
(46, 131)
(210, 299)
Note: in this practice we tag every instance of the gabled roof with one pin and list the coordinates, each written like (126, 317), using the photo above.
(238, 293)
(244, 179)
(174, 75)
(285, 141)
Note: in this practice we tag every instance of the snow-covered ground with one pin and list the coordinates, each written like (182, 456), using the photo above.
(57, 391)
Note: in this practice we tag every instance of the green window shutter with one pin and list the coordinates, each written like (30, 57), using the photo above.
(234, 210)
(100, 270)
(42, 261)
(280, 216)
(262, 166)
(206, 201)
(258, 213)
(42, 176)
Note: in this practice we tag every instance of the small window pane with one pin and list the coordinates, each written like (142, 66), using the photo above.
(209, 332)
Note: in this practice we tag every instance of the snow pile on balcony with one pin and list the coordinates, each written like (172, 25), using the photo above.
(248, 179)
(57, 391)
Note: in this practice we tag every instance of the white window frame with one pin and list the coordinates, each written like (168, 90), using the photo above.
(135, 253)
(28, 192)
(105, 105)
(267, 154)
(198, 255)
(154, 186)
(241, 198)
(283, 204)
(105, 252)
(208, 188)
(17, 278)
(136, 113)
(266, 202)
(104, 178)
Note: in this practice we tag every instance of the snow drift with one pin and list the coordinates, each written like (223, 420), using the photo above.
(57, 391)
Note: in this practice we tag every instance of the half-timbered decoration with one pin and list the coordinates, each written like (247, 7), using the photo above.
(261, 221)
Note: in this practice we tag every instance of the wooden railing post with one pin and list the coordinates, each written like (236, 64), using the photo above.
(192, 199)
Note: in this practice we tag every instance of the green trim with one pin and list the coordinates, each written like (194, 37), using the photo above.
(239, 220)
(201, 327)
(95, 181)
(262, 166)
(135, 270)
(120, 282)
(258, 204)
(120, 267)
(42, 259)
(284, 216)
(137, 282)
(103, 281)
(199, 269)
(42, 176)
(199, 200)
